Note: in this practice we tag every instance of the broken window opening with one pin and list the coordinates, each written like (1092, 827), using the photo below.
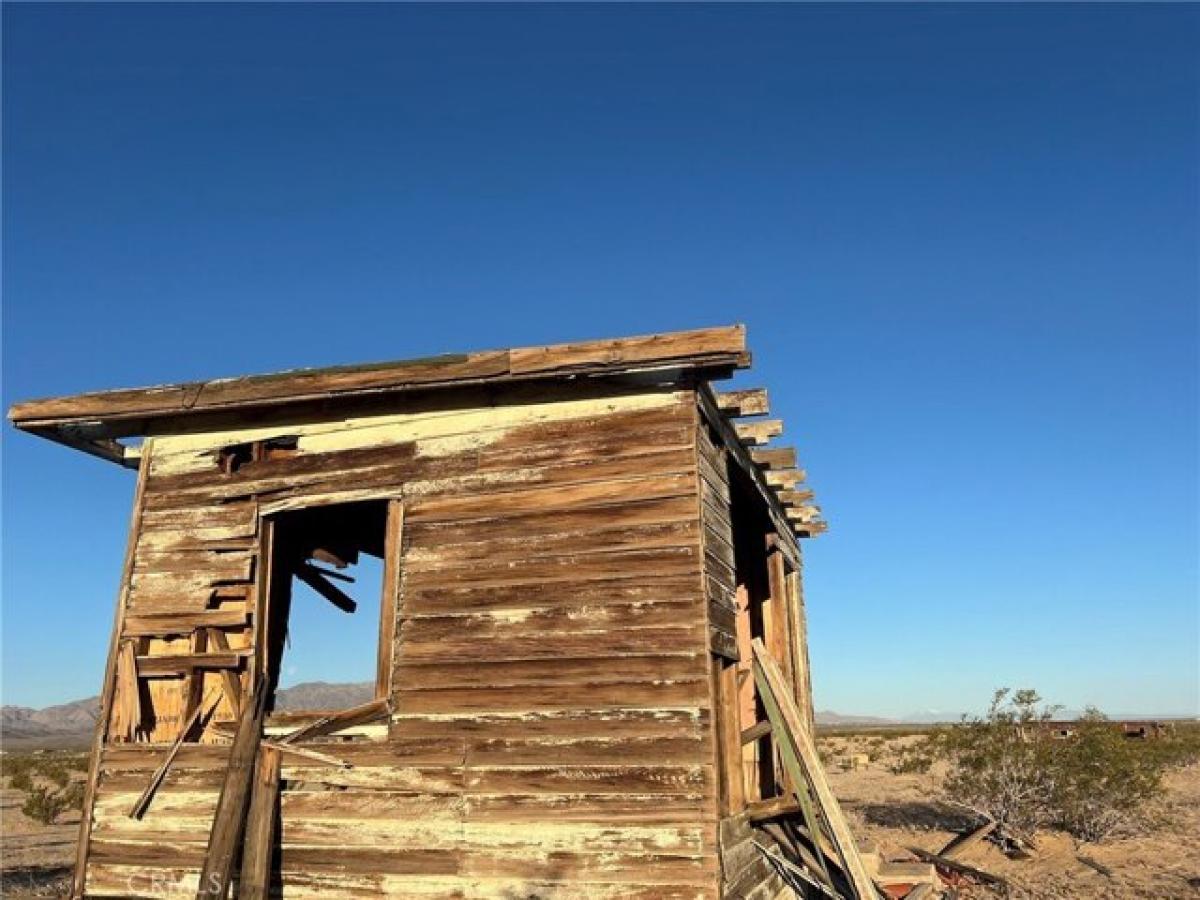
(234, 456)
(329, 622)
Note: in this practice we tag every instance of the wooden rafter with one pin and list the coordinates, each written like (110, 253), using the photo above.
(775, 458)
(756, 433)
(751, 402)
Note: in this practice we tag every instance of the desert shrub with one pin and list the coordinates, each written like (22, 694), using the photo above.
(44, 805)
(916, 759)
(21, 780)
(72, 795)
(77, 762)
(1000, 764)
(55, 771)
(1009, 767)
(12, 766)
(1103, 779)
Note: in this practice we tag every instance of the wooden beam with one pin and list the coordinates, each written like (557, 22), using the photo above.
(230, 819)
(165, 625)
(370, 711)
(757, 433)
(951, 865)
(255, 881)
(389, 606)
(805, 514)
(799, 752)
(182, 663)
(231, 682)
(143, 802)
(705, 350)
(794, 498)
(785, 478)
(313, 578)
(762, 810)
(735, 404)
(775, 458)
(755, 731)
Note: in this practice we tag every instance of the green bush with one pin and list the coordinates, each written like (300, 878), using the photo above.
(1001, 765)
(44, 805)
(1008, 766)
(21, 780)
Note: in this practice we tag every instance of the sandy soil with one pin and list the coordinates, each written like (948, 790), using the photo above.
(896, 812)
(35, 859)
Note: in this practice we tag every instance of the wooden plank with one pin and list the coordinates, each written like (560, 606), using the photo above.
(143, 802)
(230, 681)
(793, 736)
(182, 663)
(230, 819)
(165, 625)
(960, 844)
(733, 795)
(390, 603)
(255, 881)
(785, 478)
(749, 402)
(794, 498)
(757, 433)
(371, 711)
(110, 675)
(958, 868)
(713, 348)
(775, 458)
(725, 345)
(755, 732)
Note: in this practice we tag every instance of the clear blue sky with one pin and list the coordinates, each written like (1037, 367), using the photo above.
(963, 238)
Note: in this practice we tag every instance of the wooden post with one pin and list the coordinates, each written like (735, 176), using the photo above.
(230, 818)
(390, 602)
(255, 882)
(800, 754)
(729, 742)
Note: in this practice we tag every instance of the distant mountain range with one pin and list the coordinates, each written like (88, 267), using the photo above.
(70, 725)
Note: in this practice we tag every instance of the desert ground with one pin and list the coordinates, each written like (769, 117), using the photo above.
(893, 811)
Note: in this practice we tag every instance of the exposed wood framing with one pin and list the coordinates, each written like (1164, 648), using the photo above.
(736, 404)
(757, 433)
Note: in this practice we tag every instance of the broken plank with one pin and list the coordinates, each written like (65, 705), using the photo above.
(347, 718)
(958, 868)
(143, 802)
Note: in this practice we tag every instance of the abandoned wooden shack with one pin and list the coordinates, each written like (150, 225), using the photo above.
(579, 545)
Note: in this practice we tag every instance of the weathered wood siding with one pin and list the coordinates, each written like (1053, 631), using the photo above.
(550, 735)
